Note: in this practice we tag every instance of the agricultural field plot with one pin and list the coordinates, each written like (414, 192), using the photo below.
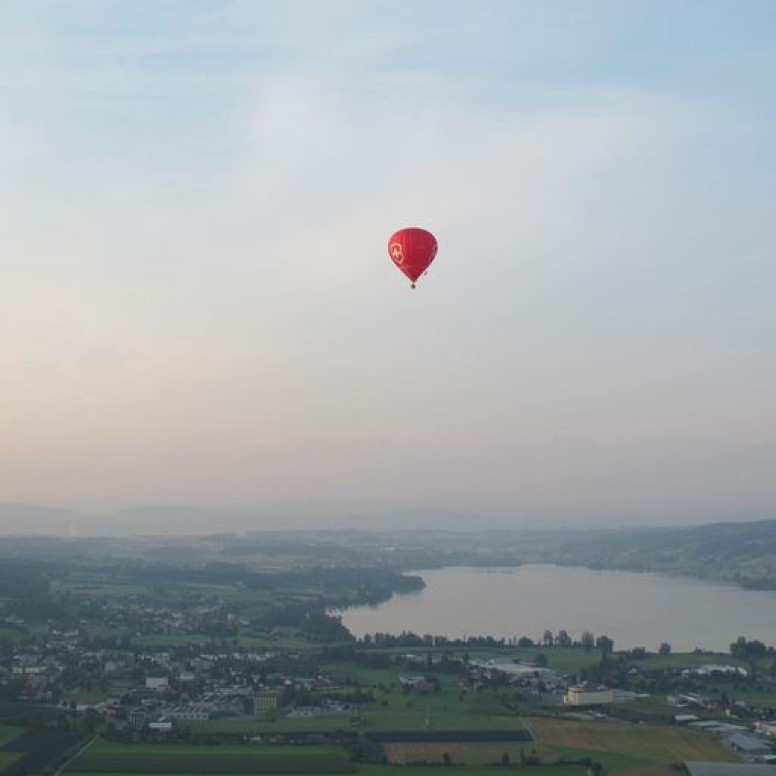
(646, 742)
(457, 753)
(565, 769)
(418, 718)
(169, 759)
(37, 749)
(14, 635)
(8, 758)
(256, 726)
(9, 732)
(654, 769)
(688, 660)
(390, 770)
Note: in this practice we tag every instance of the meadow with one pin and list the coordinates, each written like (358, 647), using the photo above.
(623, 743)
(106, 757)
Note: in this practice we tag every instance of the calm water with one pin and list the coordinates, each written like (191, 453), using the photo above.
(633, 609)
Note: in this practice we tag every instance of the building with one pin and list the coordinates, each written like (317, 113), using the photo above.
(137, 719)
(588, 695)
(265, 700)
(749, 745)
(709, 669)
(193, 712)
(766, 728)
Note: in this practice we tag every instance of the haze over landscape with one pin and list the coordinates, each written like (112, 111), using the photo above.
(197, 308)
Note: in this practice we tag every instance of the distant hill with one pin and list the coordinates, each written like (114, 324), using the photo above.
(743, 553)
(739, 553)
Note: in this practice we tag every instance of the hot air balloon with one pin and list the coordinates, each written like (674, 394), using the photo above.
(412, 250)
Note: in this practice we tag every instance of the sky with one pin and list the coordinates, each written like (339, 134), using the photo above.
(197, 305)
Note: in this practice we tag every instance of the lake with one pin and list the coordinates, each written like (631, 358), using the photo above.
(635, 610)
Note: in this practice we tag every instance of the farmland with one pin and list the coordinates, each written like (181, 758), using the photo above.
(8, 733)
(655, 743)
(36, 750)
(105, 757)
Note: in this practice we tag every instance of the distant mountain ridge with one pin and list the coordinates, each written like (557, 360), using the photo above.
(742, 553)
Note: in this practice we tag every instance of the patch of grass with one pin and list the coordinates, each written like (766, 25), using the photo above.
(650, 743)
(257, 726)
(476, 770)
(9, 732)
(607, 759)
(112, 747)
(9, 758)
(181, 759)
(681, 660)
(14, 635)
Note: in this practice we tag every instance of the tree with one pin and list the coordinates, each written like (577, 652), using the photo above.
(587, 640)
(605, 645)
(665, 648)
(563, 639)
(548, 639)
(748, 650)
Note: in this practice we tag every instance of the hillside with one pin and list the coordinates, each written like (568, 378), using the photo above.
(738, 553)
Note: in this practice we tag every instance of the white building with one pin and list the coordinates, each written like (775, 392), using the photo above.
(767, 728)
(588, 695)
(708, 669)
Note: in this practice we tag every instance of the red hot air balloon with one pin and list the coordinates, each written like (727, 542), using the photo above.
(412, 250)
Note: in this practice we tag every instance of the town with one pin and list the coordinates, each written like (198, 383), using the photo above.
(105, 663)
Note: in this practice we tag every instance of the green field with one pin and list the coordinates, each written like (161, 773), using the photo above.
(390, 770)
(8, 733)
(470, 770)
(14, 635)
(8, 758)
(615, 740)
(107, 757)
(687, 660)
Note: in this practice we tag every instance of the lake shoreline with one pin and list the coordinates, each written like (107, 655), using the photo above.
(637, 609)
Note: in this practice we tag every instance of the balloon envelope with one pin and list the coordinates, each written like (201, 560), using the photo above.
(412, 250)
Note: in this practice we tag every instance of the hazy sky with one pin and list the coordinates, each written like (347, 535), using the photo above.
(197, 305)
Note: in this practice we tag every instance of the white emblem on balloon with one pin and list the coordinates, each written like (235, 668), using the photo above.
(397, 253)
